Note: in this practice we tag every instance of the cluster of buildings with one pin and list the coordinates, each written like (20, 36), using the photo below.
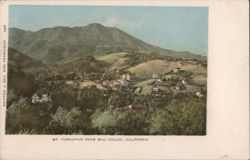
(180, 85)
(158, 84)
(124, 81)
(44, 98)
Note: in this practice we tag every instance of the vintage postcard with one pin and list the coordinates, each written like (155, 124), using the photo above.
(96, 73)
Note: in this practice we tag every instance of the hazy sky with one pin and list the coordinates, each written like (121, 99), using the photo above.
(178, 28)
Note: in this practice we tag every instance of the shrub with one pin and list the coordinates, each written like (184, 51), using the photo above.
(120, 122)
(105, 122)
(22, 115)
(179, 118)
(65, 121)
(11, 96)
(133, 123)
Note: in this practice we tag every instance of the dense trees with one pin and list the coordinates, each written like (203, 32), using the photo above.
(120, 122)
(22, 115)
(185, 117)
(164, 114)
(92, 111)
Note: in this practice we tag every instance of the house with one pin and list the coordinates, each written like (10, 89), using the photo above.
(199, 94)
(159, 80)
(126, 76)
(115, 84)
(177, 87)
(115, 88)
(35, 98)
(106, 83)
(155, 76)
(168, 77)
(138, 90)
(135, 107)
(184, 81)
(124, 83)
(45, 98)
(130, 107)
(156, 90)
(176, 70)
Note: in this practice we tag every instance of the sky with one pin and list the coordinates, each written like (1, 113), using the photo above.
(176, 28)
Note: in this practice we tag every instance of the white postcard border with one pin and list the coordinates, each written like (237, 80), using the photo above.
(227, 102)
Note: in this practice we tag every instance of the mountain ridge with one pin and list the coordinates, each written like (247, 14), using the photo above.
(57, 43)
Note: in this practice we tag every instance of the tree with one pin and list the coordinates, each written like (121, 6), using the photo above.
(21, 115)
(65, 121)
(120, 122)
(11, 97)
(105, 122)
(187, 117)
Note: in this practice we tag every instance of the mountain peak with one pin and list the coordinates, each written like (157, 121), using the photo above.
(98, 25)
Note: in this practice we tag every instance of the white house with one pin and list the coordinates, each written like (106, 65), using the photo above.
(159, 80)
(138, 90)
(176, 70)
(177, 87)
(123, 77)
(199, 94)
(115, 83)
(184, 81)
(130, 107)
(35, 98)
(155, 76)
(126, 76)
(45, 98)
(106, 83)
(124, 83)
(156, 90)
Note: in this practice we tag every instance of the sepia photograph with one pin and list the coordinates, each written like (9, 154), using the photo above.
(112, 70)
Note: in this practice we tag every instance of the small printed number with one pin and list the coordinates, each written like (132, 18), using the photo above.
(4, 28)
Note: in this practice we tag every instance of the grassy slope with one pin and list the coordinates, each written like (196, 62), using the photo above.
(153, 66)
(162, 66)
(111, 58)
